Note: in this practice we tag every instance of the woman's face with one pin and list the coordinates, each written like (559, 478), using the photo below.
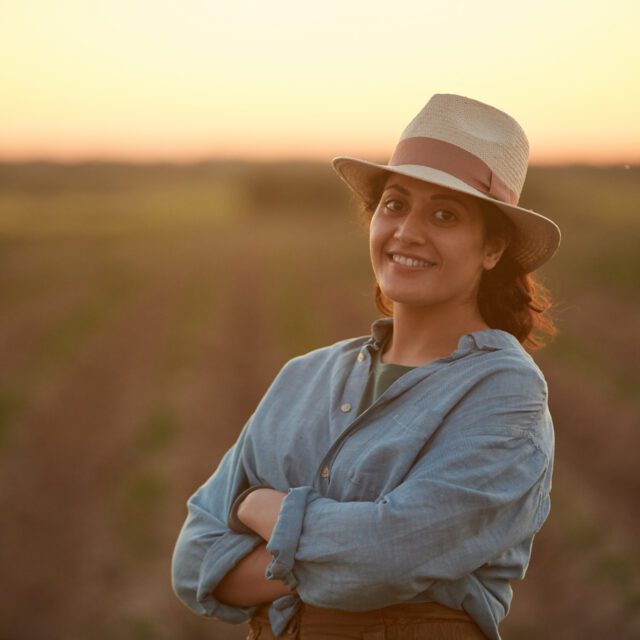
(427, 244)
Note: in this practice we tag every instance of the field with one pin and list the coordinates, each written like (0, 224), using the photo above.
(145, 310)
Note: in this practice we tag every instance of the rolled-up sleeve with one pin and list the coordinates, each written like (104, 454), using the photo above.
(206, 549)
(480, 489)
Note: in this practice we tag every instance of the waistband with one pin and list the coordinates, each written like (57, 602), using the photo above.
(397, 613)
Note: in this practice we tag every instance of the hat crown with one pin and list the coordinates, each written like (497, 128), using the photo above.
(491, 135)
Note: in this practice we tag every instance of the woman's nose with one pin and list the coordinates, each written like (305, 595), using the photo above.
(410, 229)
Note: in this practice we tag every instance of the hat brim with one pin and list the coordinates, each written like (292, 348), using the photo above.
(536, 237)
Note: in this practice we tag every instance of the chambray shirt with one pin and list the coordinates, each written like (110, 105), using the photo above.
(433, 493)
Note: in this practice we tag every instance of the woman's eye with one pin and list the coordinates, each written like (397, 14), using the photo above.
(444, 216)
(393, 204)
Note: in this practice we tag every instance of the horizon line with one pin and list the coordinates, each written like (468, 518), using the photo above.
(175, 160)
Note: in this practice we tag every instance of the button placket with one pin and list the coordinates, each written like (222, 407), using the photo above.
(343, 422)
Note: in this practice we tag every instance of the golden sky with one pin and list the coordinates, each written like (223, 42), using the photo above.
(194, 79)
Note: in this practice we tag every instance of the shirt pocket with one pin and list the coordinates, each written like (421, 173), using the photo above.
(380, 463)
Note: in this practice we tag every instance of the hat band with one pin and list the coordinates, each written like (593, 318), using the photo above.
(454, 160)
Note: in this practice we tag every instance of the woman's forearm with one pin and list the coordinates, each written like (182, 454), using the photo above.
(259, 511)
(246, 586)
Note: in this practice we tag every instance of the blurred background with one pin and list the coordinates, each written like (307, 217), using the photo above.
(171, 232)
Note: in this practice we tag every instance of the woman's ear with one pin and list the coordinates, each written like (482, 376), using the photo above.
(493, 250)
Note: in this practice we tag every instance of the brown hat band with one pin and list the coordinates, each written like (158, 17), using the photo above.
(447, 157)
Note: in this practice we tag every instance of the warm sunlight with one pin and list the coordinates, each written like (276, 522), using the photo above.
(146, 80)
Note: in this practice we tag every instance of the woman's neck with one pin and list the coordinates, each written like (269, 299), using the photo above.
(423, 335)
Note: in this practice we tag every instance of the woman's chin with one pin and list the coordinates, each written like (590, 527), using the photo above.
(407, 299)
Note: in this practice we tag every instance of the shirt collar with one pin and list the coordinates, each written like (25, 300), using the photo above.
(486, 340)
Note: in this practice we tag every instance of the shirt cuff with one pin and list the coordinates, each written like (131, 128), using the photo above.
(285, 536)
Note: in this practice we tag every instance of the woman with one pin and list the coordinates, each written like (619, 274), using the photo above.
(395, 482)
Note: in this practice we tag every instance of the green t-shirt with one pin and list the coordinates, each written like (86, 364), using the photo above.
(381, 377)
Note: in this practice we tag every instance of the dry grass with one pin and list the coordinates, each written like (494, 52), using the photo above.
(145, 311)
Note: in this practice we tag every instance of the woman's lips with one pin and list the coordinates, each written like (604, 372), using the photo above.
(410, 261)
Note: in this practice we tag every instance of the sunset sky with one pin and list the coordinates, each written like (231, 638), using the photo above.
(195, 79)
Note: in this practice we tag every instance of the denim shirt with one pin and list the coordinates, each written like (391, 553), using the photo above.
(433, 493)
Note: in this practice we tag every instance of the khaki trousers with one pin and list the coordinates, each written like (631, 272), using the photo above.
(420, 621)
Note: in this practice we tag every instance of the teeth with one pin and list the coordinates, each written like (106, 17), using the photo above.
(410, 262)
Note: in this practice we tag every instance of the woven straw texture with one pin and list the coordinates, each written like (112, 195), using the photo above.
(491, 135)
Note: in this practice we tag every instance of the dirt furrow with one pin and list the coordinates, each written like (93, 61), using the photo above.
(57, 486)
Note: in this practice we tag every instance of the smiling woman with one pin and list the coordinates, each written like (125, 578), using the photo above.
(393, 483)
(507, 297)
(428, 251)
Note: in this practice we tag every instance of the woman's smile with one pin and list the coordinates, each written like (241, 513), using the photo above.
(410, 262)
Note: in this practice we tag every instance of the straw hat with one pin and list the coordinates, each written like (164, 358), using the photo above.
(473, 148)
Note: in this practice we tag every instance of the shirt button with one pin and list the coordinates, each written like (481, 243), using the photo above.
(360, 357)
(346, 407)
(325, 472)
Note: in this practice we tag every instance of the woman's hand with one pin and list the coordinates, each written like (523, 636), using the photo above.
(259, 511)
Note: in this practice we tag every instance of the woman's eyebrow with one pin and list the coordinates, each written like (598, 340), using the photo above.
(398, 188)
(436, 196)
